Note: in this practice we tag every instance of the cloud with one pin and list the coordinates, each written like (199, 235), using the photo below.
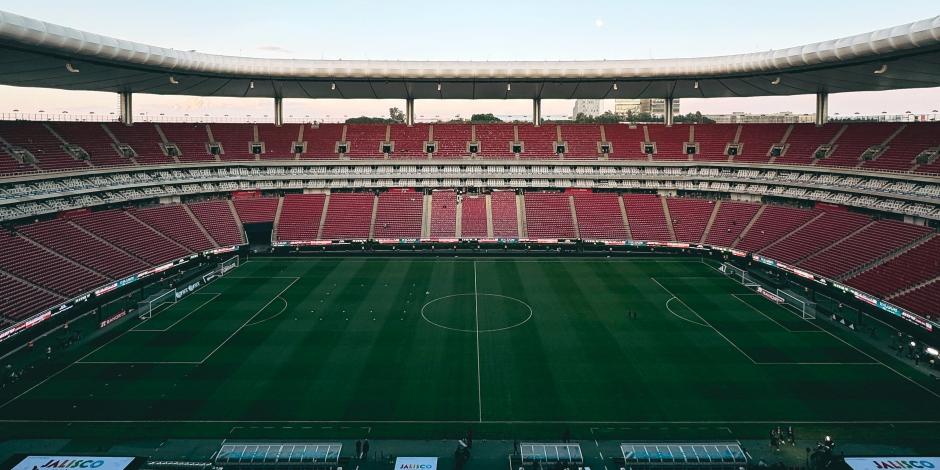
(278, 49)
(599, 23)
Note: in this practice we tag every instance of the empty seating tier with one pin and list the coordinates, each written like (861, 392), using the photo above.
(473, 216)
(300, 217)
(216, 217)
(399, 214)
(646, 218)
(256, 210)
(599, 216)
(444, 214)
(730, 222)
(175, 222)
(348, 216)
(548, 215)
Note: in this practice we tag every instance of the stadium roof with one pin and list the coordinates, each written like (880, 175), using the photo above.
(35, 53)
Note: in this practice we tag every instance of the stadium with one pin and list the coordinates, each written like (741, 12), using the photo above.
(633, 291)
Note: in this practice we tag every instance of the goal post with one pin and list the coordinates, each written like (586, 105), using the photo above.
(147, 308)
(228, 265)
(738, 274)
(805, 309)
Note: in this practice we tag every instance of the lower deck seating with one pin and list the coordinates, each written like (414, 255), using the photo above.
(216, 217)
(256, 210)
(689, 218)
(473, 216)
(300, 217)
(505, 214)
(815, 236)
(443, 214)
(348, 216)
(125, 232)
(915, 266)
(599, 216)
(548, 215)
(399, 214)
(172, 220)
(646, 217)
(730, 221)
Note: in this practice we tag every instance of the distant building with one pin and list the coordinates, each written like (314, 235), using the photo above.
(589, 108)
(773, 118)
(624, 107)
(654, 106)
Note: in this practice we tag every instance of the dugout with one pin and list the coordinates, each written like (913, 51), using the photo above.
(672, 455)
(550, 455)
(294, 455)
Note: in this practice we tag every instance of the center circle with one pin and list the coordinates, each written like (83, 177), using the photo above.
(472, 313)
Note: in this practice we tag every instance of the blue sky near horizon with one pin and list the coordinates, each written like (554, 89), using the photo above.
(475, 30)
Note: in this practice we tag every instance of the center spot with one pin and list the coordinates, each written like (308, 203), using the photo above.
(476, 312)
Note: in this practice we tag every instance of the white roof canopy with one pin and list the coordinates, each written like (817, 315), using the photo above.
(35, 53)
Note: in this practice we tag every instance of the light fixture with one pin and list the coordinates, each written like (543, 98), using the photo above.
(173, 80)
(615, 87)
(333, 86)
(509, 87)
(695, 85)
(776, 81)
(438, 87)
(71, 68)
(251, 84)
(882, 69)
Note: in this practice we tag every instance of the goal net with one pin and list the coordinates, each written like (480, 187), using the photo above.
(739, 275)
(147, 308)
(223, 268)
(806, 310)
(228, 265)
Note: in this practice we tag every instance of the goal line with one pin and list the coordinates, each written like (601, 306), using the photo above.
(806, 310)
(169, 297)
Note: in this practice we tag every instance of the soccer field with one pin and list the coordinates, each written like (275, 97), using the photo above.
(402, 344)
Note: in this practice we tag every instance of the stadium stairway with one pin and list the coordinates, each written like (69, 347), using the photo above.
(711, 222)
(791, 232)
(574, 216)
(623, 216)
(277, 218)
(159, 233)
(237, 219)
(323, 212)
(747, 228)
(669, 227)
(375, 212)
(426, 208)
(458, 217)
(890, 256)
(913, 288)
(489, 215)
(202, 228)
(523, 227)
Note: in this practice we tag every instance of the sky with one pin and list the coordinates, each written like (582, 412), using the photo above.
(467, 30)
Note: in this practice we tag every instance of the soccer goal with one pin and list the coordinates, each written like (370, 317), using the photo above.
(223, 268)
(228, 265)
(739, 275)
(147, 308)
(806, 310)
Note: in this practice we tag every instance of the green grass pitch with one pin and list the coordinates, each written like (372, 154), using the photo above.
(407, 344)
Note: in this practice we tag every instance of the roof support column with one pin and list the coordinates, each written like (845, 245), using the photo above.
(822, 108)
(410, 112)
(278, 111)
(127, 108)
(668, 112)
(537, 112)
